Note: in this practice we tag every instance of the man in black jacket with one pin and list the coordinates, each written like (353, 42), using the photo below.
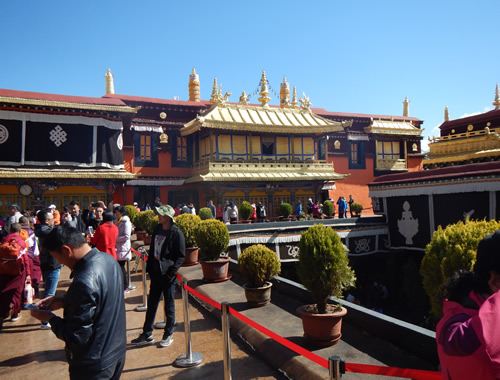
(166, 255)
(94, 325)
(50, 267)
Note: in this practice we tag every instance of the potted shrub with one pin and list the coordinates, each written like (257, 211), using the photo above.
(246, 211)
(285, 211)
(188, 223)
(356, 208)
(324, 270)
(131, 213)
(146, 221)
(450, 250)
(328, 208)
(212, 238)
(257, 265)
(205, 213)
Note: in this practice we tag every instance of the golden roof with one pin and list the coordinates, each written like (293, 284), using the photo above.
(463, 147)
(260, 119)
(393, 128)
(66, 173)
(264, 171)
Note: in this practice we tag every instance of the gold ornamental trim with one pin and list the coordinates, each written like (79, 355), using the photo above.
(461, 157)
(67, 174)
(259, 171)
(54, 103)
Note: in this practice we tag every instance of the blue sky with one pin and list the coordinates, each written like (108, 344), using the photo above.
(347, 56)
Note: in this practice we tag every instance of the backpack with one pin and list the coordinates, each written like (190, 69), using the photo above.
(10, 258)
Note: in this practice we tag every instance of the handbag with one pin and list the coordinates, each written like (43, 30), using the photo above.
(10, 258)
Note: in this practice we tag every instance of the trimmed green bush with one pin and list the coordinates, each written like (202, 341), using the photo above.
(205, 213)
(328, 208)
(246, 210)
(450, 250)
(285, 209)
(188, 223)
(132, 213)
(356, 208)
(146, 221)
(258, 264)
(323, 264)
(212, 237)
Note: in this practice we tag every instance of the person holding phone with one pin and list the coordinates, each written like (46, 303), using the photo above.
(93, 325)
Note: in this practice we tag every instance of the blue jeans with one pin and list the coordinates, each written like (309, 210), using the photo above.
(50, 278)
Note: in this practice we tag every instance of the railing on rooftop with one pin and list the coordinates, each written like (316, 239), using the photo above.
(464, 135)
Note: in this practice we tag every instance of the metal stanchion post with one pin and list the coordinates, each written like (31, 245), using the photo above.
(189, 359)
(226, 341)
(334, 367)
(144, 306)
(130, 286)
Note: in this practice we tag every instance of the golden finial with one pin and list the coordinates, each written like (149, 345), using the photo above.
(214, 96)
(406, 107)
(264, 92)
(294, 98)
(244, 98)
(446, 114)
(284, 94)
(496, 102)
(305, 103)
(194, 87)
(110, 87)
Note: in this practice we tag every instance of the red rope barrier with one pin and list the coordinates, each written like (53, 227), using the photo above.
(140, 254)
(285, 342)
(414, 374)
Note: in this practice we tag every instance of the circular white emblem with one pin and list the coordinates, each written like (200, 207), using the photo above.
(4, 134)
(119, 142)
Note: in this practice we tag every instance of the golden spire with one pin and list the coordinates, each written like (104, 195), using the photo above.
(406, 107)
(110, 87)
(295, 104)
(284, 94)
(264, 92)
(194, 87)
(214, 96)
(446, 114)
(496, 102)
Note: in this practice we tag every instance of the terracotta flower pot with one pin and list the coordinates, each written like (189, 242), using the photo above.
(140, 235)
(216, 271)
(321, 330)
(257, 297)
(147, 239)
(191, 257)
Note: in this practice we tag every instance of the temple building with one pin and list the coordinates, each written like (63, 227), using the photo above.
(55, 149)
(467, 140)
(198, 150)
(461, 180)
(130, 148)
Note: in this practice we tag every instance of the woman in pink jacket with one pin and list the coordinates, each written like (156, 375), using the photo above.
(468, 335)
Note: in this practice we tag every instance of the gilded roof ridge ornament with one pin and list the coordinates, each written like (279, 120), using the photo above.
(264, 91)
(110, 86)
(194, 86)
(406, 107)
(244, 98)
(214, 96)
(446, 114)
(496, 102)
(285, 94)
(305, 103)
(294, 98)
